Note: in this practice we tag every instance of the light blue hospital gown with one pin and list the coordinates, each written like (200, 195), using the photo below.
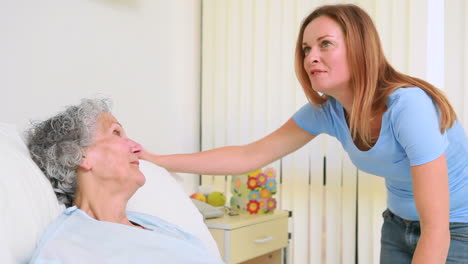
(75, 237)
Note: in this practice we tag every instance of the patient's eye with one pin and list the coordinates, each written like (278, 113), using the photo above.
(116, 132)
(306, 50)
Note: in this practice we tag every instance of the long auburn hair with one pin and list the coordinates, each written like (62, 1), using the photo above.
(373, 79)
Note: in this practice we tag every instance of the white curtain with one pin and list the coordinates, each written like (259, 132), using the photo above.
(249, 89)
(456, 57)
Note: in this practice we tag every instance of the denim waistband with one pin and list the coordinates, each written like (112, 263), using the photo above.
(390, 214)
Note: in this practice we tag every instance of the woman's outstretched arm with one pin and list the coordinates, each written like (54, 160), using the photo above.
(236, 159)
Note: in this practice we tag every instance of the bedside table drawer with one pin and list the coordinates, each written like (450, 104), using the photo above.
(256, 240)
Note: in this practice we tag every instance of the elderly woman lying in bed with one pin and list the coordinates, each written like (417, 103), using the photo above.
(94, 169)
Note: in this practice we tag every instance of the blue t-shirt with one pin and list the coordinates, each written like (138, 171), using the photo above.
(75, 237)
(410, 135)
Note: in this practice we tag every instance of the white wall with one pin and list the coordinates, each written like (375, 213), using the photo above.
(144, 54)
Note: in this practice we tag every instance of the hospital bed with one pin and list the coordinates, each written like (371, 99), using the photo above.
(28, 203)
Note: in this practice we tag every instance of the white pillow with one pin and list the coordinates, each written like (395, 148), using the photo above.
(5, 254)
(164, 197)
(27, 201)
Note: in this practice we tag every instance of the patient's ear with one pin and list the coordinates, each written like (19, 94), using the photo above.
(85, 164)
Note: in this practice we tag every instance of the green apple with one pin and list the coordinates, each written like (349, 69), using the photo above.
(216, 199)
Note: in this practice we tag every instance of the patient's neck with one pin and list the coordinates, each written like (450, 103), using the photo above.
(102, 205)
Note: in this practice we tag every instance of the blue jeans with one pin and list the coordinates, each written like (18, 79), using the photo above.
(400, 237)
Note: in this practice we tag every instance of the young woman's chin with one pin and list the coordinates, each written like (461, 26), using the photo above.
(332, 90)
(322, 89)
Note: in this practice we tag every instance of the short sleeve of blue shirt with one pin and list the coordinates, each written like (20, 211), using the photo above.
(316, 120)
(416, 126)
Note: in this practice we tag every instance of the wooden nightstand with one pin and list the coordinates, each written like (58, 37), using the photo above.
(242, 238)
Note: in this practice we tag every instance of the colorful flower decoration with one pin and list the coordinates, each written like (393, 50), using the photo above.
(253, 207)
(270, 172)
(271, 204)
(237, 183)
(263, 203)
(253, 192)
(255, 173)
(262, 179)
(254, 195)
(265, 193)
(271, 185)
(252, 183)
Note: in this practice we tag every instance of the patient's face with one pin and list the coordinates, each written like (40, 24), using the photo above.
(114, 156)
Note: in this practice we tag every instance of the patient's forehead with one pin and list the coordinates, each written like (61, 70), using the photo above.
(106, 120)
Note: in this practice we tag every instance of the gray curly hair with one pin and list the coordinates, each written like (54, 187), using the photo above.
(57, 144)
